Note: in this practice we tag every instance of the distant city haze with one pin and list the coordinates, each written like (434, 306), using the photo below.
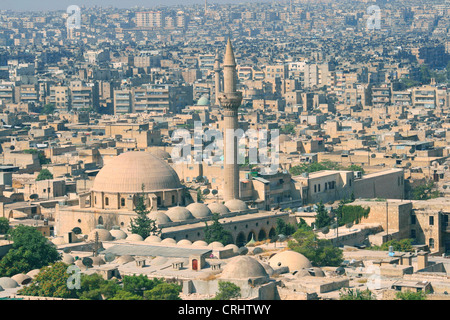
(53, 5)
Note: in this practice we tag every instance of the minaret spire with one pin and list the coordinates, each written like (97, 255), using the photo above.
(230, 100)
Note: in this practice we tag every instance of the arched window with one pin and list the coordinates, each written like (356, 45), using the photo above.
(100, 220)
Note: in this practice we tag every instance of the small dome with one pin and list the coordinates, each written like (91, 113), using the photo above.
(179, 214)
(8, 283)
(199, 210)
(219, 208)
(232, 246)
(244, 267)
(79, 264)
(302, 273)
(103, 235)
(67, 258)
(200, 243)
(134, 237)
(33, 273)
(22, 278)
(184, 243)
(256, 250)
(97, 261)
(118, 234)
(291, 259)
(215, 245)
(168, 241)
(317, 272)
(236, 205)
(159, 217)
(153, 239)
(124, 259)
(203, 101)
(58, 241)
(268, 268)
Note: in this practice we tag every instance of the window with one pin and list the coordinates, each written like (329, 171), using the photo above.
(315, 188)
(122, 202)
(413, 219)
(318, 187)
(159, 201)
(173, 199)
(106, 201)
(413, 234)
(431, 220)
(431, 243)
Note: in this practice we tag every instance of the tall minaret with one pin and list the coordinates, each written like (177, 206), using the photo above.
(230, 100)
(217, 77)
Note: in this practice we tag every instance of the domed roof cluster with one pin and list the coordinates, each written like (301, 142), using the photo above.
(129, 171)
(197, 210)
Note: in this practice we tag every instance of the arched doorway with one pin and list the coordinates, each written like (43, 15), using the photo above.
(262, 235)
(272, 233)
(240, 240)
(194, 264)
(100, 220)
(250, 235)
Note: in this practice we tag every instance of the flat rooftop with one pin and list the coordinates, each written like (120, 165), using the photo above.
(154, 251)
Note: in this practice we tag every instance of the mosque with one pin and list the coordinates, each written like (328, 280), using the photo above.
(122, 180)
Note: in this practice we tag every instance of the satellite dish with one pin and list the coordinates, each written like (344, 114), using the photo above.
(67, 250)
(206, 192)
(214, 192)
(87, 262)
(242, 251)
(34, 196)
(76, 230)
(373, 155)
(109, 257)
(281, 237)
(12, 148)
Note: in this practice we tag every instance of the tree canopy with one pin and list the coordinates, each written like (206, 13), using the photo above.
(4, 225)
(30, 250)
(45, 174)
(142, 224)
(216, 231)
(320, 252)
(227, 291)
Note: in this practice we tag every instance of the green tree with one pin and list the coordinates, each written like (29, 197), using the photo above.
(350, 214)
(216, 231)
(51, 281)
(164, 291)
(142, 224)
(355, 167)
(320, 252)
(284, 228)
(49, 108)
(350, 294)
(125, 295)
(288, 129)
(410, 295)
(45, 174)
(322, 217)
(41, 155)
(30, 250)
(404, 245)
(94, 287)
(303, 225)
(4, 225)
(227, 291)
(137, 285)
(425, 191)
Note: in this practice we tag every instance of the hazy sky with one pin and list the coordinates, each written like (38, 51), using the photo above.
(44, 5)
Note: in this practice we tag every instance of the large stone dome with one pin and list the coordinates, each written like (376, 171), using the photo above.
(291, 259)
(244, 267)
(236, 205)
(128, 172)
(179, 214)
